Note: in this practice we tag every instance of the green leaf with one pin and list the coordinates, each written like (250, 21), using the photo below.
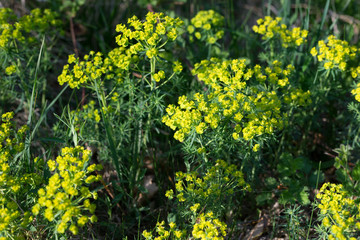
(304, 196)
(307, 166)
(337, 164)
(341, 175)
(270, 182)
(283, 169)
(285, 165)
(263, 198)
(117, 198)
(171, 217)
(356, 173)
(286, 197)
(33, 229)
(296, 164)
(286, 181)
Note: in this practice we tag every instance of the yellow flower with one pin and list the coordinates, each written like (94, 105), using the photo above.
(195, 207)
(335, 53)
(71, 58)
(61, 227)
(235, 135)
(74, 229)
(178, 234)
(152, 52)
(146, 234)
(272, 28)
(172, 225)
(206, 24)
(82, 221)
(256, 147)
(169, 194)
(313, 51)
(10, 70)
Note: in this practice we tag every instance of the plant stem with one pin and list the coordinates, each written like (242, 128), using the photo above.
(103, 107)
(312, 210)
(152, 71)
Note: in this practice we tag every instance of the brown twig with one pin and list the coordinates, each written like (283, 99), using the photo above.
(345, 18)
(150, 8)
(137, 75)
(348, 19)
(73, 37)
(109, 192)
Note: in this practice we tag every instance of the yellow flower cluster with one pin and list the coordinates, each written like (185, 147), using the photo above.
(298, 97)
(148, 36)
(88, 112)
(219, 180)
(233, 96)
(95, 66)
(334, 53)
(9, 211)
(14, 29)
(356, 92)
(140, 37)
(341, 212)
(206, 227)
(272, 28)
(355, 72)
(11, 143)
(154, 31)
(66, 197)
(78, 73)
(338, 54)
(13, 186)
(10, 69)
(177, 67)
(171, 233)
(209, 227)
(197, 193)
(21, 34)
(206, 26)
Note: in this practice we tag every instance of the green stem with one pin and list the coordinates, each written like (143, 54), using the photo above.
(312, 211)
(162, 44)
(103, 107)
(152, 69)
(209, 52)
(315, 104)
(172, 75)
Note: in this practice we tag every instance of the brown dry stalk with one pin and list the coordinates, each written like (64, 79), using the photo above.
(107, 189)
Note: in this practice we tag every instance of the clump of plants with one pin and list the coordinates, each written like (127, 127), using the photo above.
(163, 135)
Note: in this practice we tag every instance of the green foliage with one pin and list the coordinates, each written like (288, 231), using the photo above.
(197, 202)
(71, 7)
(61, 196)
(273, 96)
(66, 197)
(20, 41)
(295, 178)
(347, 170)
(295, 221)
(16, 184)
(339, 212)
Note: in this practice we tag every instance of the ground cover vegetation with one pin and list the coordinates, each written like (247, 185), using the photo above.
(182, 119)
